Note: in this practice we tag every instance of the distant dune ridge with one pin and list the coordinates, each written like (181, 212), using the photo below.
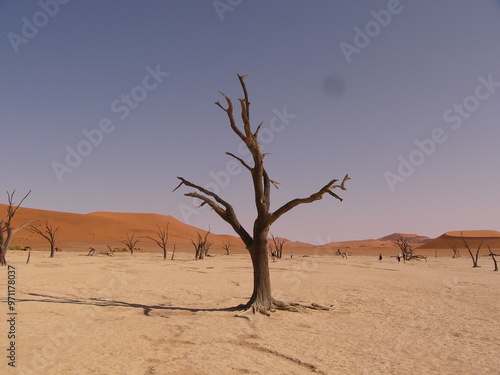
(79, 231)
(473, 238)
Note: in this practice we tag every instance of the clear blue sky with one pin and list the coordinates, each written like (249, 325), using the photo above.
(361, 84)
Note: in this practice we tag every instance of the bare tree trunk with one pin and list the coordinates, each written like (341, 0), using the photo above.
(492, 255)
(261, 297)
(173, 253)
(474, 260)
(52, 251)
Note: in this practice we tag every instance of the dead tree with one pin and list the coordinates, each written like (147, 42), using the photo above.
(226, 246)
(405, 246)
(202, 246)
(161, 241)
(6, 228)
(91, 252)
(131, 242)
(173, 253)
(278, 245)
(261, 299)
(456, 252)
(29, 256)
(49, 233)
(492, 255)
(474, 259)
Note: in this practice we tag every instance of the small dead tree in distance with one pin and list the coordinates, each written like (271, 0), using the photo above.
(405, 246)
(261, 299)
(49, 233)
(226, 246)
(173, 253)
(6, 229)
(202, 246)
(278, 245)
(493, 255)
(456, 252)
(131, 242)
(161, 241)
(474, 259)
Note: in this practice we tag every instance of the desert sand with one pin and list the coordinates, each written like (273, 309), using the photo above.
(137, 314)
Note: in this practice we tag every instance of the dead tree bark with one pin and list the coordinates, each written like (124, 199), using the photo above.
(226, 246)
(474, 259)
(49, 233)
(278, 245)
(161, 241)
(492, 255)
(6, 228)
(131, 242)
(256, 242)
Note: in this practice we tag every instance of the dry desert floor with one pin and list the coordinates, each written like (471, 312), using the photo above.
(140, 315)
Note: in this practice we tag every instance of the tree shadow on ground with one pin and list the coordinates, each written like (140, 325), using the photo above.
(102, 302)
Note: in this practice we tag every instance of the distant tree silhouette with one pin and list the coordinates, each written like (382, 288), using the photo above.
(474, 259)
(202, 246)
(226, 245)
(162, 238)
(456, 251)
(130, 242)
(493, 255)
(7, 230)
(49, 233)
(278, 245)
(405, 246)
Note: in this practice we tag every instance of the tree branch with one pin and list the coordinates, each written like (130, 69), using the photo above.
(227, 213)
(313, 197)
(240, 160)
(229, 112)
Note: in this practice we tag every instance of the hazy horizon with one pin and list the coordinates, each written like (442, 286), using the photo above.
(105, 104)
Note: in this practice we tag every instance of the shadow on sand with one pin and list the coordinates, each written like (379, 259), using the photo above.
(147, 309)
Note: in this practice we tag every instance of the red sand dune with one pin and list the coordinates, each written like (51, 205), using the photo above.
(79, 231)
(473, 238)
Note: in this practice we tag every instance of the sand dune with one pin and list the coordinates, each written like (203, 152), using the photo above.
(473, 238)
(474, 234)
(414, 238)
(99, 229)
(79, 231)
